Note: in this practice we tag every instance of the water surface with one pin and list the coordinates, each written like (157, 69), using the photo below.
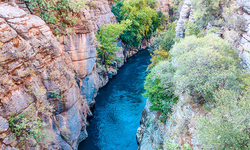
(118, 108)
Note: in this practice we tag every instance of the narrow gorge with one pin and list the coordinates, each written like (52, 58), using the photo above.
(124, 74)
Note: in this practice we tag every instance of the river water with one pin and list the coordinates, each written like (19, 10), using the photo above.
(118, 108)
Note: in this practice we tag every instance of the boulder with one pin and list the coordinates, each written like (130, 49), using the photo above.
(4, 124)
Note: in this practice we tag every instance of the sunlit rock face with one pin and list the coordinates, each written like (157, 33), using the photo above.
(32, 65)
(82, 47)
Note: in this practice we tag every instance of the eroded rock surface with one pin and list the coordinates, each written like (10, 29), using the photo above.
(178, 129)
(32, 67)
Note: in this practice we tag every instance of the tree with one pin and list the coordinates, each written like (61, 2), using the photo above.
(203, 65)
(160, 88)
(157, 56)
(218, 13)
(107, 37)
(58, 14)
(145, 20)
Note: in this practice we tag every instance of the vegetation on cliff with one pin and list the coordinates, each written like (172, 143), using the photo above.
(58, 14)
(145, 20)
(226, 126)
(206, 67)
(198, 66)
(107, 37)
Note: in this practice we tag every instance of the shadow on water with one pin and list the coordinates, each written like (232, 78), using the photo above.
(118, 108)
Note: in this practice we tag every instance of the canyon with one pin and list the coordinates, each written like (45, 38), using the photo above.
(35, 64)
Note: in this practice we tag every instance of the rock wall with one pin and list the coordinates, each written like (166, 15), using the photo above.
(178, 129)
(32, 66)
(82, 47)
(243, 40)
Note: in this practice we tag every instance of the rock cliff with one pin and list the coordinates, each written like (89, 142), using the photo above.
(178, 129)
(32, 67)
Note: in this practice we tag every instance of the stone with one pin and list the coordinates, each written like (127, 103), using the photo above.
(8, 140)
(246, 7)
(4, 124)
(3, 136)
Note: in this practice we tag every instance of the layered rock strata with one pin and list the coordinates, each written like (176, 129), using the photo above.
(32, 67)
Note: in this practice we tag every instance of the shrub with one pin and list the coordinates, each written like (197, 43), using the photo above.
(59, 14)
(226, 126)
(117, 9)
(29, 127)
(157, 56)
(203, 64)
(172, 146)
(217, 12)
(166, 39)
(160, 89)
(191, 29)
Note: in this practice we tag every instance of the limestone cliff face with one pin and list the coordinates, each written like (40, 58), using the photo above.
(178, 129)
(82, 47)
(242, 42)
(32, 66)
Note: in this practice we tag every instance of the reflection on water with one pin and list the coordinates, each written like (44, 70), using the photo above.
(118, 108)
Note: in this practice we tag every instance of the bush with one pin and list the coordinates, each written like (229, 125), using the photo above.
(166, 39)
(58, 14)
(191, 29)
(203, 65)
(158, 55)
(160, 89)
(117, 9)
(218, 13)
(227, 126)
(28, 128)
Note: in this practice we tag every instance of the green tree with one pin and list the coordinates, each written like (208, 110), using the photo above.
(227, 126)
(160, 88)
(158, 56)
(218, 13)
(203, 65)
(107, 37)
(145, 20)
(116, 9)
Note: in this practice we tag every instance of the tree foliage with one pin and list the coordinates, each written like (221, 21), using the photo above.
(158, 56)
(164, 39)
(197, 66)
(227, 126)
(28, 127)
(217, 12)
(107, 37)
(145, 20)
(160, 88)
(203, 64)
